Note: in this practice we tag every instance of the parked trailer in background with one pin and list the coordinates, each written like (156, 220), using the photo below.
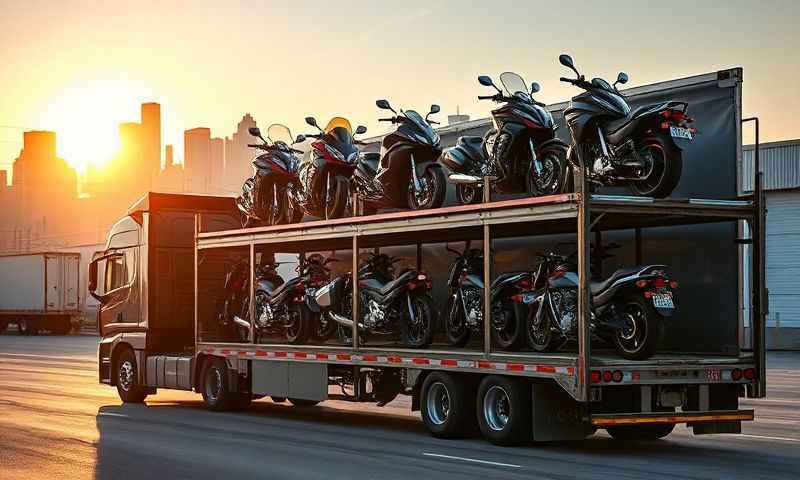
(40, 291)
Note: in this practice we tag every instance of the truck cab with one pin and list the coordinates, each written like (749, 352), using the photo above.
(144, 278)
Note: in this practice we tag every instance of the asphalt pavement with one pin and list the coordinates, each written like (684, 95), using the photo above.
(57, 422)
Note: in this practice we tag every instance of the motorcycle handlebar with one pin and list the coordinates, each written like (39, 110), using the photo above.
(485, 97)
(568, 80)
(253, 145)
(386, 120)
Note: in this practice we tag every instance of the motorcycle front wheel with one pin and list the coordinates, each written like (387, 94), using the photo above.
(638, 339)
(336, 200)
(552, 177)
(456, 326)
(434, 188)
(418, 333)
(663, 165)
(297, 328)
(539, 331)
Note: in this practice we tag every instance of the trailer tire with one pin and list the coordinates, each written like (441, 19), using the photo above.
(127, 381)
(504, 410)
(446, 405)
(302, 403)
(640, 432)
(217, 394)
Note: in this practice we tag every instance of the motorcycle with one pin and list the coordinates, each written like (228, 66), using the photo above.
(388, 305)
(277, 303)
(267, 197)
(619, 146)
(628, 308)
(464, 316)
(234, 308)
(521, 153)
(405, 173)
(316, 274)
(328, 167)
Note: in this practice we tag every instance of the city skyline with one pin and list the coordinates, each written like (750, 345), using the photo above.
(355, 53)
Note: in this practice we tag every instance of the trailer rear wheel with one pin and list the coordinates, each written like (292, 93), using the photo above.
(446, 405)
(217, 394)
(504, 410)
(640, 432)
(127, 381)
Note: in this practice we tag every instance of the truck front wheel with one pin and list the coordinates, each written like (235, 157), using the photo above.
(640, 432)
(446, 405)
(128, 386)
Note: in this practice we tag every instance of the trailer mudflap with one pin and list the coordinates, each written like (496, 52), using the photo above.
(691, 418)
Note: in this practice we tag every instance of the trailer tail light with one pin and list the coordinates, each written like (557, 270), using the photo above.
(422, 276)
(595, 376)
(607, 376)
(749, 373)
(665, 125)
(736, 374)
(617, 376)
(648, 294)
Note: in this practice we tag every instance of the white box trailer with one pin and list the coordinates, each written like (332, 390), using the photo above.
(40, 291)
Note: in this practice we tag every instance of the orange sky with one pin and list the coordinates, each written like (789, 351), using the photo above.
(80, 68)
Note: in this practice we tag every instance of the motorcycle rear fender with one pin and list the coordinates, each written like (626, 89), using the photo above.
(648, 118)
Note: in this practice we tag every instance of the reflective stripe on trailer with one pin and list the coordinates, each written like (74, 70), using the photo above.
(367, 358)
(656, 418)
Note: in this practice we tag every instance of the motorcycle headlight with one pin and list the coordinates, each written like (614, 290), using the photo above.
(353, 157)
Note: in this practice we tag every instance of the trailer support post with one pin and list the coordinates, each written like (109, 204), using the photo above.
(487, 275)
(584, 334)
(252, 293)
(354, 283)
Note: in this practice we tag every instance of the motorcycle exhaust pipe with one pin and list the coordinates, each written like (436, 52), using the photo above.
(241, 322)
(462, 178)
(341, 320)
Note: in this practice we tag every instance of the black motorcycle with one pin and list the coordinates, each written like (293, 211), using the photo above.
(315, 274)
(620, 146)
(234, 305)
(627, 308)
(388, 305)
(405, 174)
(268, 196)
(521, 154)
(464, 314)
(327, 169)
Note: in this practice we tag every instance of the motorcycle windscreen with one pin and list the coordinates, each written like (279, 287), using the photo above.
(338, 122)
(279, 133)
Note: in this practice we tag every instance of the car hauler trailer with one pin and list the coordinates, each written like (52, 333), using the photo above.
(176, 250)
(39, 291)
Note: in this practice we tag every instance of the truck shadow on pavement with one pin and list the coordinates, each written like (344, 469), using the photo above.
(171, 438)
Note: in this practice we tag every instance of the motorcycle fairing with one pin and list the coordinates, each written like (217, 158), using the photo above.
(645, 116)
(469, 151)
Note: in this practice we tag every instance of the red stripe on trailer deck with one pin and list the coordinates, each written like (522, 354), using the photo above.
(300, 355)
(545, 369)
(370, 358)
(484, 365)
(515, 367)
(225, 352)
(420, 361)
(261, 353)
(449, 363)
(280, 354)
(343, 356)
(321, 356)
(395, 360)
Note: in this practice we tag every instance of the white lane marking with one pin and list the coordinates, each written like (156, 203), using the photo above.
(110, 414)
(763, 437)
(49, 357)
(473, 460)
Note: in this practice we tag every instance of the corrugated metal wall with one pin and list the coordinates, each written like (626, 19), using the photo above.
(780, 162)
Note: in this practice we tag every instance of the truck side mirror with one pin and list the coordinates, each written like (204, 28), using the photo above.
(93, 279)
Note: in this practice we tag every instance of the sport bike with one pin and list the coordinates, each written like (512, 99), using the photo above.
(618, 145)
(405, 174)
(388, 306)
(268, 196)
(627, 308)
(464, 313)
(521, 152)
(328, 167)
(315, 273)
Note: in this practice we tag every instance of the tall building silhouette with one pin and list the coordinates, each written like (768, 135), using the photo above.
(171, 177)
(217, 166)
(151, 140)
(197, 160)
(238, 157)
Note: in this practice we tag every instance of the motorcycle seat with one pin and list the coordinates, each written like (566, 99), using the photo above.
(598, 287)
(506, 277)
(473, 146)
(622, 127)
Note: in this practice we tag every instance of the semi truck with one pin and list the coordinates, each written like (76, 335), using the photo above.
(39, 291)
(161, 283)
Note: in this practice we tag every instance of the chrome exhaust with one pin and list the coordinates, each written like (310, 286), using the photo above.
(341, 319)
(241, 322)
(462, 178)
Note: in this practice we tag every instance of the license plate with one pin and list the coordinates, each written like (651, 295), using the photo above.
(713, 375)
(680, 132)
(528, 297)
(663, 300)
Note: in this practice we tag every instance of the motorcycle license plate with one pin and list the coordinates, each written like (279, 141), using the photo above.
(528, 298)
(680, 132)
(663, 300)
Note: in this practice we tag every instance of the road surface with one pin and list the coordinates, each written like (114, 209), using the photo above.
(57, 422)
